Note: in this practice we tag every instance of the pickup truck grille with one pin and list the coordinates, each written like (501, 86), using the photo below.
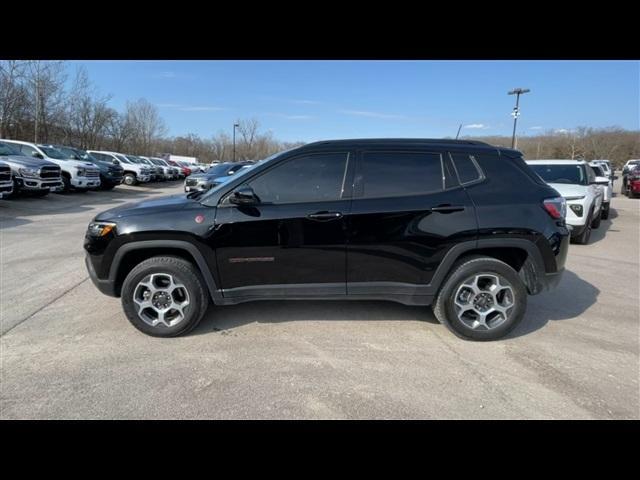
(144, 171)
(191, 182)
(159, 171)
(50, 172)
(92, 173)
(5, 173)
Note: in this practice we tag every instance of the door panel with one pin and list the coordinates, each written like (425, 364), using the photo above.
(396, 242)
(293, 241)
(269, 245)
(402, 241)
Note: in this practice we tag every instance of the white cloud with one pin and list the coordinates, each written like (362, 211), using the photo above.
(537, 127)
(290, 117)
(364, 113)
(477, 126)
(562, 130)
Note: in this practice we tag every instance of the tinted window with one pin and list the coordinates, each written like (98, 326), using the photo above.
(391, 174)
(312, 178)
(6, 149)
(466, 168)
(27, 150)
(598, 171)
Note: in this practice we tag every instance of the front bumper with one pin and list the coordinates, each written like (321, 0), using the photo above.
(85, 182)
(107, 287)
(6, 189)
(144, 178)
(27, 183)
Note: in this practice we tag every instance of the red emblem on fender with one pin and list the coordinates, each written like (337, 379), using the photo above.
(199, 218)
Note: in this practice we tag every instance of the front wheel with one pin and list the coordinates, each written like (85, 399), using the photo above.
(605, 211)
(129, 179)
(595, 223)
(164, 296)
(481, 299)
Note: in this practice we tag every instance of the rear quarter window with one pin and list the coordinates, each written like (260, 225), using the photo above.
(466, 167)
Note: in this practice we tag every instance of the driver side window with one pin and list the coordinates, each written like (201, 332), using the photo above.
(307, 179)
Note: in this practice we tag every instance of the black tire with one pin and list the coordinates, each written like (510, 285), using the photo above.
(584, 237)
(39, 193)
(107, 186)
(595, 223)
(182, 271)
(66, 184)
(444, 307)
(129, 179)
(605, 211)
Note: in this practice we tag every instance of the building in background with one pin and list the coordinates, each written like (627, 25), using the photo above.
(179, 158)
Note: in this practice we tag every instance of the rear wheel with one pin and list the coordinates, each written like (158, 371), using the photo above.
(481, 299)
(164, 296)
(605, 211)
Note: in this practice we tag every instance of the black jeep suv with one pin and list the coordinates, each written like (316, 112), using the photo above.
(460, 225)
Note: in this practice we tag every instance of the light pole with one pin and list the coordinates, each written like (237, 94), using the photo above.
(516, 111)
(235, 125)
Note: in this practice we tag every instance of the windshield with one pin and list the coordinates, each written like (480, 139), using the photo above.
(219, 170)
(133, 159)
(6, 149)
(571, 174)
(70, 154)
(53, 153)
(122, 158)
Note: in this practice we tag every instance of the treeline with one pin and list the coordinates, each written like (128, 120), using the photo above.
(612, 143)
(38, 103)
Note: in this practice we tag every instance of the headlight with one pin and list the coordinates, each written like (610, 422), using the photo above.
(81, 171)
(29, 172)
(100, 229)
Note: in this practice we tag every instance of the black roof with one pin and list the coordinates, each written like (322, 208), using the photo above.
(399, 141)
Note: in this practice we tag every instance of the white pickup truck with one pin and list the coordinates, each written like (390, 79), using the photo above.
(603, 174)
(76, 174)
(576, 181)
(134, 173)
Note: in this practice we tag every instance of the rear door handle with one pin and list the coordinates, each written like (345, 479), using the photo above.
(448, 208)
(324, 216)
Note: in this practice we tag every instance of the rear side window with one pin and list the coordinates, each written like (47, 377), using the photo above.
(468, 170)
(392, 174)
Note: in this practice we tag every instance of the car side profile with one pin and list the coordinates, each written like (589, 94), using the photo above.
(631, 180)
(460, 225)
(605, 182)
(576, 181)
(133, 172)
(110, 174)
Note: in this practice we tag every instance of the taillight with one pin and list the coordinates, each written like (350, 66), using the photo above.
(556, 207)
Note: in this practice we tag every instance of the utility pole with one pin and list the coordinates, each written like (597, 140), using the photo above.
(37, 82)
(516, 111)
(235, 125)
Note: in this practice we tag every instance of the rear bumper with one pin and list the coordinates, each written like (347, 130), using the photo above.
(6, 188)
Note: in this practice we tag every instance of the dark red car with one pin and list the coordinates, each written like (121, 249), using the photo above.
(631, 182)
(185, 171)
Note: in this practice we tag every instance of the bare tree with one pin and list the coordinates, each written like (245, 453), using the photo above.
(248, 130)
(46, 80)
(12, 93)
(146, 123)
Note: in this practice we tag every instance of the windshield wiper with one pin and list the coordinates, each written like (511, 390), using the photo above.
(195, 194)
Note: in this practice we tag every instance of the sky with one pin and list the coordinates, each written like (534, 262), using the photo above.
(315, 100)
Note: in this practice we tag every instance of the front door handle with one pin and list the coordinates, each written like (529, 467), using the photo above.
(448, 208)
(324, 216)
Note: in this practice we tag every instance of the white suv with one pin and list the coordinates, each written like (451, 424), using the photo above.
(134, 173)
(576, 181)
(76, 174)
(605, 181)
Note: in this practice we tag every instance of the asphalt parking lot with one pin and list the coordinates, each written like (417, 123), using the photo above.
(68, 352)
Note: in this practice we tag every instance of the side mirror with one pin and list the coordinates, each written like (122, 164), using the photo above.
(243, 195)
(601, 181)
(37, 155)
(116, 161)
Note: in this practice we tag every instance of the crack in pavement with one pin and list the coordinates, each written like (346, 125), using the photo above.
(2, 334)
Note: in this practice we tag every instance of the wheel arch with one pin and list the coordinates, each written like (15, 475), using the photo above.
(520, 254)
(131, 254)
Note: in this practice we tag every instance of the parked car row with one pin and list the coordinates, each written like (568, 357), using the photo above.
(631, 179)
(587, 188)
(214, 176)
(37, 169)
